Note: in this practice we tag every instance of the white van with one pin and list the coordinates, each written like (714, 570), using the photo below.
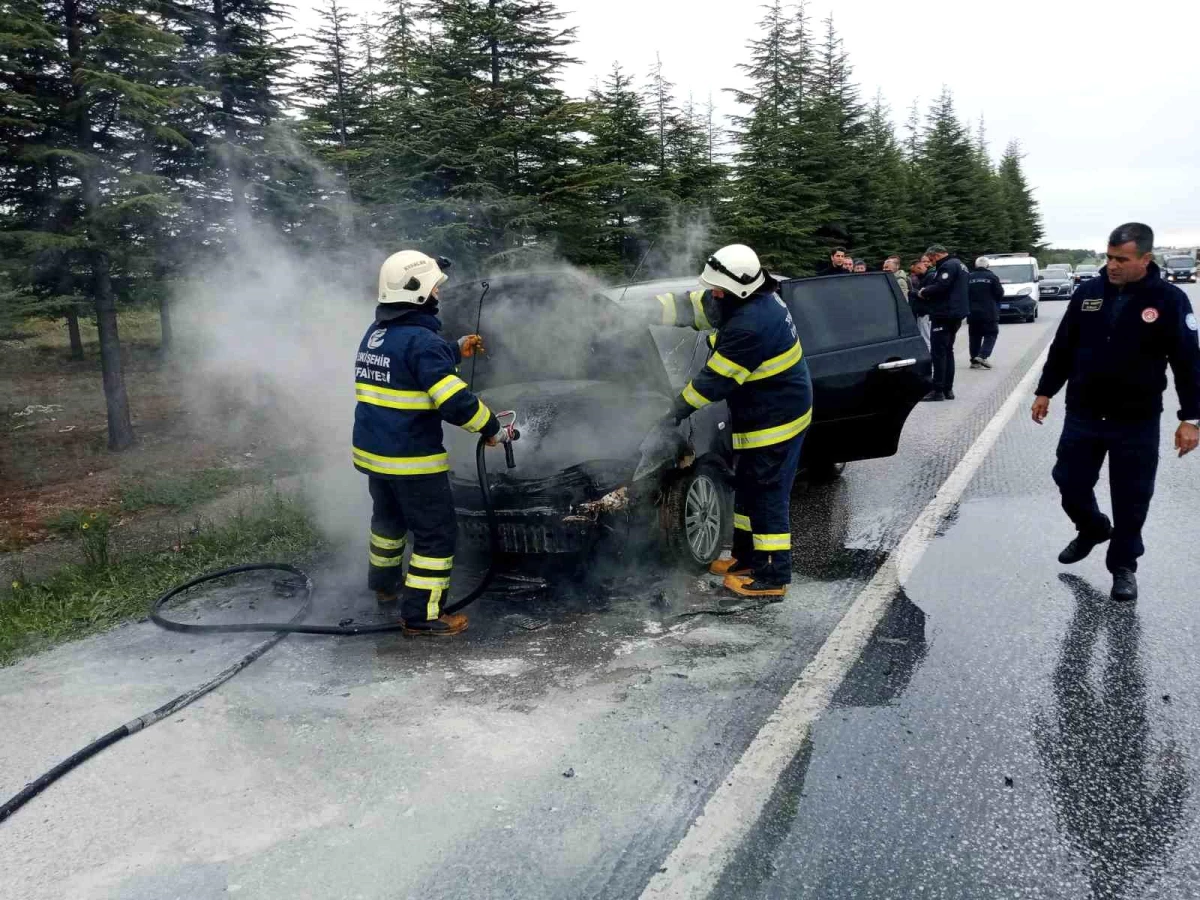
(1019, 274)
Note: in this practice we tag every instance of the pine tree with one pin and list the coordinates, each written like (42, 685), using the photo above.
(882, 227)
(775, 208)
(1022, 209)
(947, 164)
(620, 163)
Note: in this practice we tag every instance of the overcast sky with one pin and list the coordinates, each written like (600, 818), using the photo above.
(1104, 96)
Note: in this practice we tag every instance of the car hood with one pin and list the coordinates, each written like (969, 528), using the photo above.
(575, 431)
(1011, 290)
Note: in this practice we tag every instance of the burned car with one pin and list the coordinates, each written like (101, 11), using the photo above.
(589, 375)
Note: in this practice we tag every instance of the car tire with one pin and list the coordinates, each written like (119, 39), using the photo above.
(821, 472)
(697, 517)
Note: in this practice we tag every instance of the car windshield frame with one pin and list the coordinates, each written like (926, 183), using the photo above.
(1014, 269)
(1087, 270)
(1056, 275)
(1181, 262)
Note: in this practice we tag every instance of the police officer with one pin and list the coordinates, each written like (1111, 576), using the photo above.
(406, 382)
(983, 324)
(758, 366)
(944, 299)
(1111, 351)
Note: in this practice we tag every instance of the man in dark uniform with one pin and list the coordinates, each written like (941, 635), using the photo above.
(406, 383)
(1112, 349)
(944, 299)
(836, 264)
(758, 366)
(983, 324)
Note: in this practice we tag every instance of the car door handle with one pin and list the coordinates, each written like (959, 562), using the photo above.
(897, 364)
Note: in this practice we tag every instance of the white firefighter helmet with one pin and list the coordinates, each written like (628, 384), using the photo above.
(735, 269)
(409, 277)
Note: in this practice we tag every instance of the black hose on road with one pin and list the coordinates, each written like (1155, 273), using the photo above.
(278, 630)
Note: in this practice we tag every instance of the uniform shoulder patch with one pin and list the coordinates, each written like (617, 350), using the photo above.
(1149, 315)
(945, 275)
(1092, 305)
(375, 341)
(1191, 321)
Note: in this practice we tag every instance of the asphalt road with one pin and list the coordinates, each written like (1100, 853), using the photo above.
(1005, 731)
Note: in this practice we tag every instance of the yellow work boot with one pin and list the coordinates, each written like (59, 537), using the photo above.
(728, 567)
(745, 586)
(443, 626)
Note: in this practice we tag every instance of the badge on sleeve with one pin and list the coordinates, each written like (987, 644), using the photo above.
(945, 275)
(1191, 321)
(1150, 315)
(375, 341)
(1092, 305)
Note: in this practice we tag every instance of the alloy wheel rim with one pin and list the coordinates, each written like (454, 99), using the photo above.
(702, 518)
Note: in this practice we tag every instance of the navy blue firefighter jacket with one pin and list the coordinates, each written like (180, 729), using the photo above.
(757, 365)
(1113, 347)
(406, 382)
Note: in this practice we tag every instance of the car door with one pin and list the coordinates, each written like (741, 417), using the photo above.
(869, 364)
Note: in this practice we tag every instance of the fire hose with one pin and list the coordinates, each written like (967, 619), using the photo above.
(279, 630)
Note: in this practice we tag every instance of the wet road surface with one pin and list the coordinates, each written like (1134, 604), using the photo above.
(569, 761)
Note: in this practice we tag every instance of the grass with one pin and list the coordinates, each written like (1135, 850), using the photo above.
(181, 492)
(82, 600)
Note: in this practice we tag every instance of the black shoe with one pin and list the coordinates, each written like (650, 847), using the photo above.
(976, 364)
(984, 363)
(1124, 586)
(949, 395)
(1079, 548)
(933, 397)
(386, 599)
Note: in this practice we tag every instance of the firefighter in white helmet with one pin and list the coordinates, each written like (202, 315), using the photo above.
(406, 383)
(758, 367)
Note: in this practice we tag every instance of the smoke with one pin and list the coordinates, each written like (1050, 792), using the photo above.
(270, 332)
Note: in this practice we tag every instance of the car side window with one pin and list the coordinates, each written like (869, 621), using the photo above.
(836, 312)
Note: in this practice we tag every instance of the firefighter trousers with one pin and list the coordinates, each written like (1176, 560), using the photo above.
(424, 506)
(762, 496)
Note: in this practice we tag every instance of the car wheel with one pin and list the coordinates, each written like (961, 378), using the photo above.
(697, 517)
(820, 472)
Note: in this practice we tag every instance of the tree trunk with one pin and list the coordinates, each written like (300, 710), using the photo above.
(233, 159)
(73, 332)
(120, 426)
(164, 317)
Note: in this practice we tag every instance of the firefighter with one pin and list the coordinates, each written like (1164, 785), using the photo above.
(406, 382)
(758, 366)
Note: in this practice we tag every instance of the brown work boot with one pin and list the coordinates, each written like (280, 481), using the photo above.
(728, 567)
(444, 626)
(745, 586)
(385, 598)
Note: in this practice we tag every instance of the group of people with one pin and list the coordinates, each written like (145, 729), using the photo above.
(943, 293)
(1111, 351)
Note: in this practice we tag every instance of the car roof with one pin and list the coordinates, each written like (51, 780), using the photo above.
(641, 291)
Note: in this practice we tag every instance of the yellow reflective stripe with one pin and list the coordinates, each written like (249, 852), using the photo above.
(431, 607)
(723, 365)
(381, 396)
(772, 542)
(385, 562)
(694, 397)
(480, 418)
(699, 319)
(768, 436)
(777, 364)
(740, 522)
(433, 563)
(402, 465)
(445, 389)
(425, 583)
(712, 339)
(668, 308)
(386, 543)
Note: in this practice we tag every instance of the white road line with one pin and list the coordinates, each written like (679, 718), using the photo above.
(695, 865)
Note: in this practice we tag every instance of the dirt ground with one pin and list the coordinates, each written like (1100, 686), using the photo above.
(54, 461)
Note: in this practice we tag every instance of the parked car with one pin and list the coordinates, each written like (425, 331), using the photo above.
(589, 378)
(1066, 267)
(1056, 284)
(1179, 268)
(1018, 273)
(1084, 272)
